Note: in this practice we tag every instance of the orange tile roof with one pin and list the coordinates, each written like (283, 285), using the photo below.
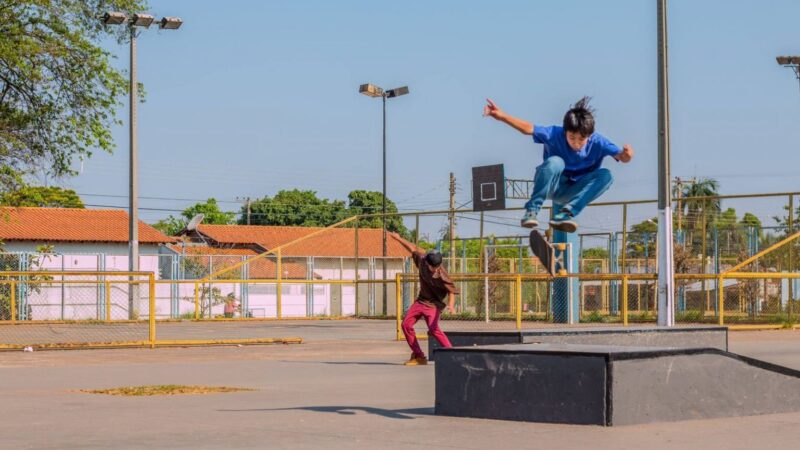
(72, 225)
(206, 250)
(264, 268)
(333, 242)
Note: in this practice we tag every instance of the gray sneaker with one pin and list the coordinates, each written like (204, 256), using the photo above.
(563, 222)
(529, 220)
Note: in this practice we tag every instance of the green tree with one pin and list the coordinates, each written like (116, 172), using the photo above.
(59, 92)
(473, 247)
(783, 220)
(642, 239)
(371, 202)
(750, 220)
(210, 209)
(695, 210)
(595, 253)
(726, 220)
(295, 208)
(48, 197)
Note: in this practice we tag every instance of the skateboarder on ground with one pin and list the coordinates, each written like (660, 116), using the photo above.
(571, 174)
(434, 286)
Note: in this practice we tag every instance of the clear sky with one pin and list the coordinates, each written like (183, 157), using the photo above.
(248, 98)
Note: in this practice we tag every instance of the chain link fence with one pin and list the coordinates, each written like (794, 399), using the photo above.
(516, 302)
(340, 272)
(62, 309)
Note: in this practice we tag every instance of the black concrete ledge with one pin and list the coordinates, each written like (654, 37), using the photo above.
(608, 385)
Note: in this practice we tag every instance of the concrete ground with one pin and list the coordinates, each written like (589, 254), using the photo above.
(81, 332)
(343, 388)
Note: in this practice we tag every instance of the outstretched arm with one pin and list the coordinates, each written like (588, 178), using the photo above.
(626, 155)
(408, 245)
(520, 125)
(451, 304)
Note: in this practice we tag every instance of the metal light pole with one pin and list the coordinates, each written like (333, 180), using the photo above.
(666, 297)
(133, 22)
(133, 181)
(792, 62)
(370, 90)
(383, 214)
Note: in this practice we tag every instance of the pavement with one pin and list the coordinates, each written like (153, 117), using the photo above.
(344, 387)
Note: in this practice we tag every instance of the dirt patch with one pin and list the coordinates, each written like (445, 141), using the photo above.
(164, 389)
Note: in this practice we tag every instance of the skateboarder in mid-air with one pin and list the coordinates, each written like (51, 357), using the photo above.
(434, 286)
(571, 174)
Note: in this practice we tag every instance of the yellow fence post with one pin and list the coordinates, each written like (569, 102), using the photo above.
(518, 286)
(196, 300)
(399, 305)
(623, 255)
(790, 254)
(278, 287)
(108, 300)
(13, 301)
(721, 300)
(152, 317)
(625, 300)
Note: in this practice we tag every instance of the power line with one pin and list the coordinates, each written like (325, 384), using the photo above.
(158, 198)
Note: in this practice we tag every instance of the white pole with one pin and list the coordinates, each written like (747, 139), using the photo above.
(133, 213)
(666, 298)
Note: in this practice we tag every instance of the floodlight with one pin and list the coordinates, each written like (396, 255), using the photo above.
(370, 90)
(142, 20)
(788, 60)
(397, 92)
(170, 23)
(114, 18)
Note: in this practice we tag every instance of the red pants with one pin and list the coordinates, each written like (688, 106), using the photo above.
(431, 315)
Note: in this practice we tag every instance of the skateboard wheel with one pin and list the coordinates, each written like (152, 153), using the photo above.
(560, 246)
(562, 272)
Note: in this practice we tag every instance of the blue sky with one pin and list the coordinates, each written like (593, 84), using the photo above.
(248, 98)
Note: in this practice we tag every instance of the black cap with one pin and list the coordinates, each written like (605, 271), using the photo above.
(434, 258)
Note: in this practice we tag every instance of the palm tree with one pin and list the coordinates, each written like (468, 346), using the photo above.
(695, 210)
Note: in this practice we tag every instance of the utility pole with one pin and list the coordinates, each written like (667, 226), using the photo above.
(679, 188)
(679, 192)
(452, 222)
(246, 201)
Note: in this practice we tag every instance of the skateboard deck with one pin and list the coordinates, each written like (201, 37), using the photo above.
(543, 250)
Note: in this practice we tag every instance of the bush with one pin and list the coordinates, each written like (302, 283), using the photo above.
(593, 317)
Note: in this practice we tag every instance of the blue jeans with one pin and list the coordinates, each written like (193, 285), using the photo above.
(549, 182)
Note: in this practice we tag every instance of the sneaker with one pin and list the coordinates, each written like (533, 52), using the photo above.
(416, 361)
(562, 221)
(529, 220)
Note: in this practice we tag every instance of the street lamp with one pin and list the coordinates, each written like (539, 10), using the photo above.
(134, 21)
(370, 90)
(792, 62)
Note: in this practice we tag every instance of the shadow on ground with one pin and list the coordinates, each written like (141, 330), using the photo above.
(351, 410)
(345, 363)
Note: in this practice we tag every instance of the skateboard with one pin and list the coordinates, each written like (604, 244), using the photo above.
(550, 255)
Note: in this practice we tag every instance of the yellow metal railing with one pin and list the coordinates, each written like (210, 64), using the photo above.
(514, 313)
(96, 327)
(500, 300)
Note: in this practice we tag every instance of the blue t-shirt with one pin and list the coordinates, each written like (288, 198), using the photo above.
(576, 163)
